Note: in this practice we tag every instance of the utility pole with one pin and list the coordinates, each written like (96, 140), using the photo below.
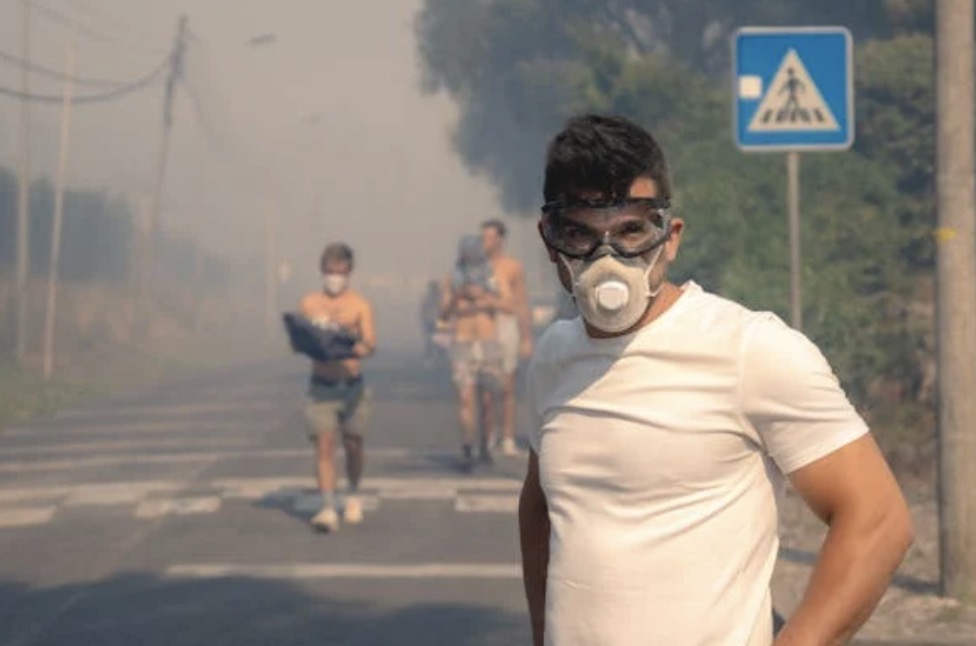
(956, 296)
(22, 277)
(55, 259)
(176, 66)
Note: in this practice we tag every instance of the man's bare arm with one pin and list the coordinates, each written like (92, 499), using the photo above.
(523, 310)
(502, 301)
(854, 492)
(306, 306)
(534, 538)
(520, 293)
(448, 299)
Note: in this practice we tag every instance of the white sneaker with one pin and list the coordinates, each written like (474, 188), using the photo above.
(508, 447)
(352, 512)
(326, 520)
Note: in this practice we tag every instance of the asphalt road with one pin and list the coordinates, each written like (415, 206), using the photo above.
(179, 517)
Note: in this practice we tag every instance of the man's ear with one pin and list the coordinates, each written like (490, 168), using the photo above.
(674, 239)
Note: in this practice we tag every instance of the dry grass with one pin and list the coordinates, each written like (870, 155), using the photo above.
(102, 346)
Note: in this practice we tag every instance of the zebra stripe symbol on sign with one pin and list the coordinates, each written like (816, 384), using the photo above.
(792, 102)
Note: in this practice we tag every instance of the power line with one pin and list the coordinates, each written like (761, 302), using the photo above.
(210, 134)
(91, 98)
(102, 15)
(69, 22)
(56, 74)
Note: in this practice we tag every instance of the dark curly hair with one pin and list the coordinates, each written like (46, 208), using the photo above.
(337, 251)
(602, 154)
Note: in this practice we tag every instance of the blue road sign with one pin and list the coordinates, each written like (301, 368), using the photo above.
(793, 88)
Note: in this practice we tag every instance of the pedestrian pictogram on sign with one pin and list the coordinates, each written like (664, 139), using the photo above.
(792, 101)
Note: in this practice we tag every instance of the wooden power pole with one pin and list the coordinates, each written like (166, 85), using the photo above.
(22, 275)
(50, 314)
(956, 296)
(147, 272)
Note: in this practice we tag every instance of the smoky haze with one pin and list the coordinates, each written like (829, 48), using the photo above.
(309, 110)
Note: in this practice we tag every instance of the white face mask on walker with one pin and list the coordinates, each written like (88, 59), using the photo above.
(335, 284)
(609, 265)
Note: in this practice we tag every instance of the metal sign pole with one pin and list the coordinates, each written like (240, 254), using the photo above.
(793, 201)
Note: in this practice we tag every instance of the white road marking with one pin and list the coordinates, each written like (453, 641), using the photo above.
(80, 463)
(253, 488)
(97, 489)
(421, 490)
(126, 445)
(491, 503)
(506, 571)
(18, 466)
(115, 493)
(25, 516)
(385, 487)
(123, 429)
(177, 506)
(257, 488)
(99, 498)
(310, 503)
(175, 409)
(298, 492)
(468, 484)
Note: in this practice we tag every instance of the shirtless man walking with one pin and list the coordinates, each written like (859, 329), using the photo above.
(473, 299)
(514, 328)
(337, 395)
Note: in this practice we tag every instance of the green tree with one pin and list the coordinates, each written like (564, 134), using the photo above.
(896, 129)
(518, 68)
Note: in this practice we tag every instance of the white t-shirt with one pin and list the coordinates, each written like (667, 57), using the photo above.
(660, 455)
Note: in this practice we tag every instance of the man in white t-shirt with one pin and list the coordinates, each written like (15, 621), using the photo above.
(664, 417)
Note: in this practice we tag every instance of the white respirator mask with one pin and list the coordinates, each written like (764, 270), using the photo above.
(335, 284)
(612, 293)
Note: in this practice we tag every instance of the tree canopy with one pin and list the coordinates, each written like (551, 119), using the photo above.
(519, 68)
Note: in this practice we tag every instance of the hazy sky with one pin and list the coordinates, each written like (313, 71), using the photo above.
(329, 114)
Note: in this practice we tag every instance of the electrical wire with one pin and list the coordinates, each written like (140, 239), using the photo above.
(100, 15)
(115, 93)
(55, 74)
(206, 125)
(74, 25)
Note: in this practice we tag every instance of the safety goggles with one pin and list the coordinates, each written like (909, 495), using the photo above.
(631, 227)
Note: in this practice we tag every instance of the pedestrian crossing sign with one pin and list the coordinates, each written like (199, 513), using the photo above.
(793, 88)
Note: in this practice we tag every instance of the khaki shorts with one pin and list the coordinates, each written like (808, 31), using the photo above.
(477, 363)
(337, 407)
(508, 337)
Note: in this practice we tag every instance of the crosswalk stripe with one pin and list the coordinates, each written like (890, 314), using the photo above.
(404, 488)
(175, 409)
(310, 503)
(492, 503)
(80, 463)
(54, 492)
(177, 506)
(15, 465)
(25, 516)
(506, 571)
(124, 445)
(122, 428)
(387, 487)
